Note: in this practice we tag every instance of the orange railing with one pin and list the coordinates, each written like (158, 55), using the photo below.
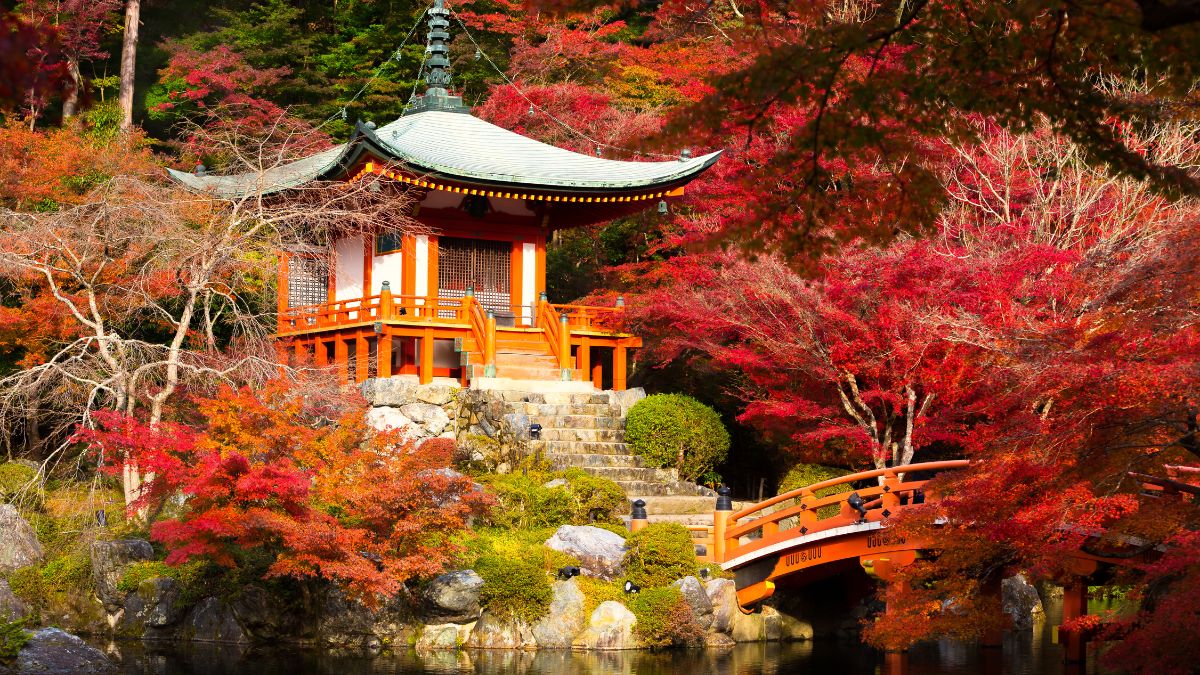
(798, 513)
(588, 318)
(558, 334)
(483, 328)
(386, 306)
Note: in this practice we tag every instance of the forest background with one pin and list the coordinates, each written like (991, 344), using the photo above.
(939, 229)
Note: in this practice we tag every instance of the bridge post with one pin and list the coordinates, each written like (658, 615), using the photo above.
(724, 508)
(637, 515)
(1074, 644)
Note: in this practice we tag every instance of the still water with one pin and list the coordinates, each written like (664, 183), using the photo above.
(1032, 653)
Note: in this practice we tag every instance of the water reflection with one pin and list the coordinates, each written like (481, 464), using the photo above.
(1031, 653)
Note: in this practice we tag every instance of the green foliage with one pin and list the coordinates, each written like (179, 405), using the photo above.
(15, 478)
(673, 430)
(659, 554)
(527, 545)
(524, 502)
(596, 591)
(194, 578)
(802, 475)
(13, 636)
(664, 618)
(514, 588)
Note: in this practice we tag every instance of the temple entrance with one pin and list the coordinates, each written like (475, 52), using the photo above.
(483, 264)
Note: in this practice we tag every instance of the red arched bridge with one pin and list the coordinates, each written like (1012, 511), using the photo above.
(799, 537)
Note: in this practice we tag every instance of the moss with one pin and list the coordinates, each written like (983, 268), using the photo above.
(26, 584)
(514, 588)
(13, 637)
(659, 554)
(597, 591)
(193, 578)
(677, 431)
(524, 501)
(18, 480)
(664, 618)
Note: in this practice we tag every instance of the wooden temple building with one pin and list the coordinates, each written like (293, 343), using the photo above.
(468, 300)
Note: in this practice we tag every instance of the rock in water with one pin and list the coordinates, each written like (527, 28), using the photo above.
(109, 559)
(155, 604)
(566, 619)
(51, 650)
(610, 627)
(19, 546)
(1021, 601)
(444, 636)
(11, 607)
(453, 597)
(697, 599)
(599, 551)
(212, 621)
(492, 632)
(723, 595)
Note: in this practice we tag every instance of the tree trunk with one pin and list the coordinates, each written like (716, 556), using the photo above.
(133, 12)
(71, 102)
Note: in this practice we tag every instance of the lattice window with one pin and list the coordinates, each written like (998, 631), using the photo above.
(479, 263)
(308, 281)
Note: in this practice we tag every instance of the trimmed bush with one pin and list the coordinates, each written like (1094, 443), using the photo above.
(677, 431)
(802, 475)
(664, 618)
(659, 554)
(524, 501)
(514, 588)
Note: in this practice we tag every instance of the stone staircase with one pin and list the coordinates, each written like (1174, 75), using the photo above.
(587, 430)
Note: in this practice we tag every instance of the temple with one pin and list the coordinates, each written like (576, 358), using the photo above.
(468, 300)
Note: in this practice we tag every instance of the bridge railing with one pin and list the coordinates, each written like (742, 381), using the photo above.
(801, 512)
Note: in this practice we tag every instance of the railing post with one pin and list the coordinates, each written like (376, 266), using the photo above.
(564, 347)
(637, 515)
(489, 359)
(537, 311)
(889, 500)
(385, 301)
(721, 513)
(808, 515)
(1074, 644)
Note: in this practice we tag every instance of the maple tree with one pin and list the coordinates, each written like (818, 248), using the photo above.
(294, 471)
(80, 25)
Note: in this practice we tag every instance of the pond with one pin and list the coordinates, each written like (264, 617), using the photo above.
(1032, 653)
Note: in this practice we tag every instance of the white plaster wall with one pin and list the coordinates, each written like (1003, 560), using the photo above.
(387, 267)
(422, 265)
(348, 279)
(528, 279)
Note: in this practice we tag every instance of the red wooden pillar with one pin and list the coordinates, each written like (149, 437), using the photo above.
(383, 352)
(1074, 606)
(301, 350)
(341, 356)
(362, 358)
(427, 356)
(321, 354)
(619, 356)
(993, 637)
(583, 355)
(597, 375)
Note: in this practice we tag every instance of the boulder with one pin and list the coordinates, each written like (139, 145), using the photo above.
(599, 551)
(556, 483)
(19, 546)
(257, 612)
(155, 604)
(109, 560)
(387, 418)
(51, 650)
(11, 607)
(431, 417)
(1021, 602)
(609, 627)
(718, 641)
(493, 632)
(213, 621)
(344, 622)
(452, 598)
(794, 628)
(389, 391)
(697, 599)
(435, 394)
(566, 618)
(444, 636)
(626, 399)
(761, 626)
(723, 595)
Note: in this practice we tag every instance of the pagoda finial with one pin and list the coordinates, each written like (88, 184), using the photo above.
(437, 65)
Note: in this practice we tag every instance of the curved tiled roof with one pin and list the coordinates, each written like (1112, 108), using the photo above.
(458, 145)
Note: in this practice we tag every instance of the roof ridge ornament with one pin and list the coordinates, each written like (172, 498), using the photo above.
(437, 65)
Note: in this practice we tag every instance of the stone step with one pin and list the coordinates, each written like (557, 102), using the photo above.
(537, 391)
(563, 460)
(573, 422)
(664, 488)
(563, 409)
(580, 447)
(678, 505)
(585, 435)
(621, 474)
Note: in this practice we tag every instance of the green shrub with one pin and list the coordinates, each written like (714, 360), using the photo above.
(596, 591)
(659, 554)
(26, 584)
(16, 478)
(514, 588)
(664, 618)
(524, 501)
(677, 431)
(13, 636)
(802, 475)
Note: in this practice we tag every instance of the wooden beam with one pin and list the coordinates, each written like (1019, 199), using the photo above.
(362, 357)
(619, 366)
(383, 353)
(427, 357)
(341, 356)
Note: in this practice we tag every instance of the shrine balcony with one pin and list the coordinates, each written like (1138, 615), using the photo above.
(390, 334)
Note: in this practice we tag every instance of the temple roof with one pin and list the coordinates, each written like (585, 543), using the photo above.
(459, 146)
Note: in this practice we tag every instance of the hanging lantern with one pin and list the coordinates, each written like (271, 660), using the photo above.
(662, 207)
(532, 112)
